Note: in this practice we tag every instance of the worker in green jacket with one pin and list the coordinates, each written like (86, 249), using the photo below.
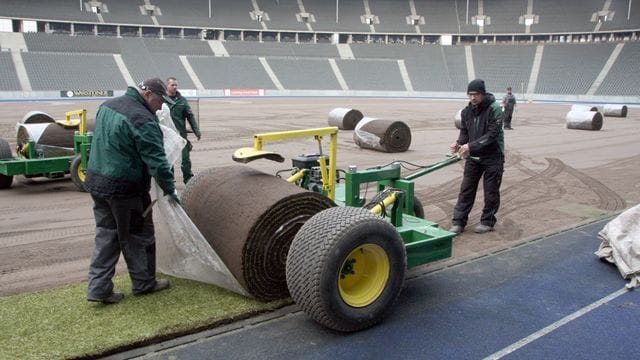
(127, 150)
(180, 114)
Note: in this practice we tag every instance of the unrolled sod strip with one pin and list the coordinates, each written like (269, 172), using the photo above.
(250, 218)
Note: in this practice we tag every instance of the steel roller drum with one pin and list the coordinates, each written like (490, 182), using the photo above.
(250, 218)
(383, 135)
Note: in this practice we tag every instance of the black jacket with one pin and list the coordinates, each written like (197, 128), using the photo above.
(481, 128)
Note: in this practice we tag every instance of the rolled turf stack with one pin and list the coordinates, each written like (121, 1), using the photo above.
(382, 135)
(584, 120)
(344, 119)
(250, 218)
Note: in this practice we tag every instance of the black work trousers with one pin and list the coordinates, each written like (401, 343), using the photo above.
(120, 227)
(490, 169)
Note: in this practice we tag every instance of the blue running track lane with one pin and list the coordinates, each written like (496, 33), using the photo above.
(551, 298)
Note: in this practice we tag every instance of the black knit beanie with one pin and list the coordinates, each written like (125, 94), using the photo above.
(476, 85)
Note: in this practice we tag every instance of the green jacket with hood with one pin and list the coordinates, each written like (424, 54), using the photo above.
(127, 150)
(181, 113)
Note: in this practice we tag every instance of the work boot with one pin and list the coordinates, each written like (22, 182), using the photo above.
(161, 284)
(482, 228)
(457, 229)
(114, 298)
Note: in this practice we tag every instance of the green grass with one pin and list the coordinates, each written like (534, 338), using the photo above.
(61, 323)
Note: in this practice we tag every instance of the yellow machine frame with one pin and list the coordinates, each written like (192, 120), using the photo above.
(328, 176)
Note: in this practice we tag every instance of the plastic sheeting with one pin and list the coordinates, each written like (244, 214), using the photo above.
(621, 244)
(182, 250)
(582, 108)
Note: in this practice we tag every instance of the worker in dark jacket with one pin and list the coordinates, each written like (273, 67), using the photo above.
(508, 104)
(181, 114)
(480, 136)
(126, 152)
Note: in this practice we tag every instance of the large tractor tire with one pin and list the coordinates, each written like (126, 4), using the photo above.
(346, 268)
(78, 173)
(5, 153)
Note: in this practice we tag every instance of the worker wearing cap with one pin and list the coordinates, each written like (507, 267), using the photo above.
(181, 114)
(126, 152)
(480, 136)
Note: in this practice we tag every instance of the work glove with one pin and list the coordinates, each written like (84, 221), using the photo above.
(175, 197)
(198, 135)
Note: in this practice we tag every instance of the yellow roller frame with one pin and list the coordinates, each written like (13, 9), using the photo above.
(328, 176)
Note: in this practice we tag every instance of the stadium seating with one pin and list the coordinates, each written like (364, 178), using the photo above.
(624, 76)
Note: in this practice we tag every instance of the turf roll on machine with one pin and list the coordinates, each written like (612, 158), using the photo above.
(314, 237)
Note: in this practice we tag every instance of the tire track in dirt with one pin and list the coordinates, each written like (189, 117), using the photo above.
(609, 199)
(16, 238)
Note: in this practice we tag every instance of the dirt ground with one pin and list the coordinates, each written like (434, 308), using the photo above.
(555, 178)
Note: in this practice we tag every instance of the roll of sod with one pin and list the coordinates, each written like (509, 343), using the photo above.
(344, 118)
(382, 135)
(578, 107)
(584, 120)
(51, 139)
(614, 110)
(250, 218)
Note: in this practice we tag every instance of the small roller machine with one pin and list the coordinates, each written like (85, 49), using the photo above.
(67, 151)
(342, 258)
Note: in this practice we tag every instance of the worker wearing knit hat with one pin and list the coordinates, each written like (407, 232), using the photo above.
(476, 85)
(480, 136)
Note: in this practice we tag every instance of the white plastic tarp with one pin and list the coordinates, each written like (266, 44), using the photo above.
(182, 251)
(621, 244)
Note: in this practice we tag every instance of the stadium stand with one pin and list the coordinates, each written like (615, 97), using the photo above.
(565, 16)
(504, 19)
(505, 65)
(440, 16)
(392, 15)
(371, 74)
(624, 76)
(126, 12)
(281, 49)
(348, 16)
(559, 70)
(428, 70)
(282, 15)
(304, 74)
(169, 40)
(8, 77)
(71, 44)
(228, 73)
(621, 11)
(178, 46)
(72, 71)
(46, 9)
